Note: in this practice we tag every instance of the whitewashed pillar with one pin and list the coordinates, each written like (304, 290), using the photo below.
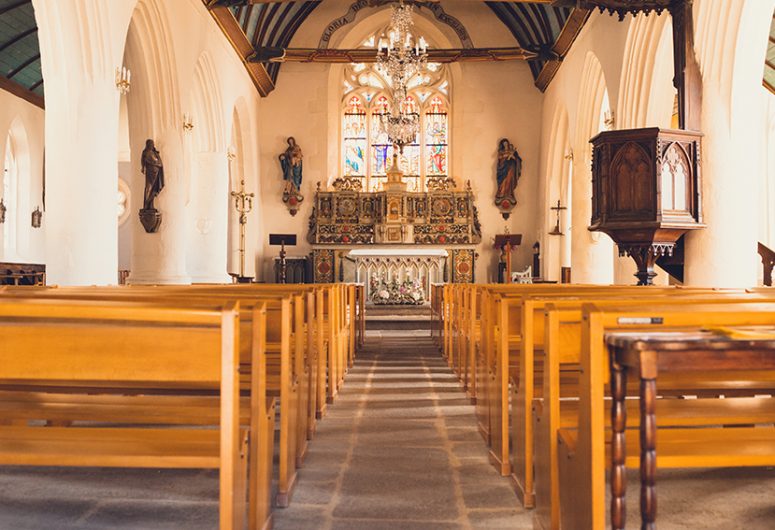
(81, 44)
(731, 41)
(160, 258)
(593, 252)
(208, 240)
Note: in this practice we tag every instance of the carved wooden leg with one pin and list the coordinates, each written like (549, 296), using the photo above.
(618, 445)
(648, 454)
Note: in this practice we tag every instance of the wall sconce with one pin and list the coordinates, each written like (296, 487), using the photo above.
(609, 120)
(3, 209)
(123, 80)
(188, 123)
(569, 155)
(230, 154)
(37, 217)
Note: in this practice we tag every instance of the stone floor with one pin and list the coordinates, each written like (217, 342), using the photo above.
(398, 450)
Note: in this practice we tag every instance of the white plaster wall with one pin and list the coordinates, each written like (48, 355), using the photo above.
(489, 101)
(208, 82)
(20, 114)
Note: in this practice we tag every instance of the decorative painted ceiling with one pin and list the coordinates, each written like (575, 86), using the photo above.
(548, 31)
(19, 49)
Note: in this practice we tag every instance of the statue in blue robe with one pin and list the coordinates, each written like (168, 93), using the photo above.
(290, 161)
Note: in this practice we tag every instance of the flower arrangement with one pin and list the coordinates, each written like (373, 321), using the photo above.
(408, 292)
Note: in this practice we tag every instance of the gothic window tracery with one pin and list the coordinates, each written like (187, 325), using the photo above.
(366, 151)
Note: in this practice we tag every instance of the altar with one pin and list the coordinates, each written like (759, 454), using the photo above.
(427, 236)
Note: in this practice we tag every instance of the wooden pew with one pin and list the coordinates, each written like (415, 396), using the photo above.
(283, 356)
(527, 368)
(499, 363)
(582, 447)
(64, 343)
(561, 359)
(650, 357)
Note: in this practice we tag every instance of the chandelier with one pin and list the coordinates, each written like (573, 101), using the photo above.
(401, 57)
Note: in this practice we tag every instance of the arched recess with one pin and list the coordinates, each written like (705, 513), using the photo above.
(154, 113)
(17, 189)
(647, 94)
(244, 164)
(557, 249)
(209, 178)
(592, 252)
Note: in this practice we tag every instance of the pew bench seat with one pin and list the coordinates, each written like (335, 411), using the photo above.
(682, 412)
(111, 447)
(692, 448)
(141, 409)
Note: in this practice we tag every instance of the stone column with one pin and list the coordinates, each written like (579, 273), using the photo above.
(160, 258)
(733, 121)
(592, 252)
(81, 44)
(208, 241)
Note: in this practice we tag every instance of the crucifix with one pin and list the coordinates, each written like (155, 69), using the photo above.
(556, 231)
(243, 203)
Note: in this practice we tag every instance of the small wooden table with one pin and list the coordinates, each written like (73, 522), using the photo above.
(647, 354)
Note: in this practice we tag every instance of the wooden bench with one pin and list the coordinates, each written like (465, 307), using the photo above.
(555, 403)
(581, 455)
(284, 370)
(140, 348)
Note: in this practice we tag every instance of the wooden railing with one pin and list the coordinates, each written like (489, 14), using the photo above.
(768, 262)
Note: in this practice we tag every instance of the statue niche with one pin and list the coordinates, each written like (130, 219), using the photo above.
(153, 169)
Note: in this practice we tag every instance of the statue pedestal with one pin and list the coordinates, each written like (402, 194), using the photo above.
(150, 218)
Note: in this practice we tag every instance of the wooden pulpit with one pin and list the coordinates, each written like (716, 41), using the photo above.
(646, 191)
(506, 243)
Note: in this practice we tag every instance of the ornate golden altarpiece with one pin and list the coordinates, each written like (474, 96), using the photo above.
(345, 218)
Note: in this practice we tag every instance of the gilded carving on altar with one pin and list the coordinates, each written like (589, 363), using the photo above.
(345, 216)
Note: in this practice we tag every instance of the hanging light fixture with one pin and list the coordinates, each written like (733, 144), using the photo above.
(400, 57)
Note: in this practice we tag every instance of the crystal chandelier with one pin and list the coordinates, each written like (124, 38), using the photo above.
(401, 57)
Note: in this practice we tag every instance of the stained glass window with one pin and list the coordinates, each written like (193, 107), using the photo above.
(436, 138)
(354, 138)
(367, 151)
(381, 149)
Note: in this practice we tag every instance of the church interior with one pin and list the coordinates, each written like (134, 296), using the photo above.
(400, 264)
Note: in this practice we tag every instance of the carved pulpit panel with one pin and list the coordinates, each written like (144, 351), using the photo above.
(646, 191)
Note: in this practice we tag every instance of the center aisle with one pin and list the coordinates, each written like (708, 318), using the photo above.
(399, 449)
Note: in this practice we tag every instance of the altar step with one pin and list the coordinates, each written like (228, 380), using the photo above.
(398, 317)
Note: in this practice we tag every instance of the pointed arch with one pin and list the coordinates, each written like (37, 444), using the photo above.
(208, 114)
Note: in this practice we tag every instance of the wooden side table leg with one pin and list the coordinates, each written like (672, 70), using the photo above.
(618, 445)
(648, 453)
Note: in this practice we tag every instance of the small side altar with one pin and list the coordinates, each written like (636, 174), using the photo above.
(390, 225)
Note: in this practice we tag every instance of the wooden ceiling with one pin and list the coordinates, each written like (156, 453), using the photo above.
(20, 70)
(261, 31)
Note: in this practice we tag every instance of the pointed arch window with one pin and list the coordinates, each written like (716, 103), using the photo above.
(366, 151)
(10, 196)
